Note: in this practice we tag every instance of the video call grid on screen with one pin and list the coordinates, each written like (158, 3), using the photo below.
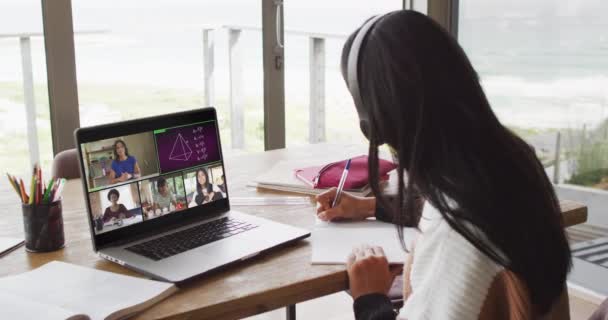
(195, 150)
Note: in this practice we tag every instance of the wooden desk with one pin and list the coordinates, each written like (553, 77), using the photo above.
(280, 278)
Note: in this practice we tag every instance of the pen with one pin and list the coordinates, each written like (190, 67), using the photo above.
(57, 195)
(54, 191)
(341, 185)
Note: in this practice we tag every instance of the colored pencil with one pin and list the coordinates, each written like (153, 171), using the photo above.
(33, 189)
(40, 192)
(24, 195)
(11, 180)
(39, 186)
(47, 192)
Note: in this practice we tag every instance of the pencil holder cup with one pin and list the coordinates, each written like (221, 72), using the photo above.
(43, 225)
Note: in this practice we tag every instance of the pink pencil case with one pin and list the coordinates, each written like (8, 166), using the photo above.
(328, 176)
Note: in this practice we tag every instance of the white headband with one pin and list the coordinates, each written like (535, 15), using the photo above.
(353, 59)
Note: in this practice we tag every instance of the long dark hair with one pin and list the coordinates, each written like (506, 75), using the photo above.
(199, 187)
(124, 145)
(425, 100)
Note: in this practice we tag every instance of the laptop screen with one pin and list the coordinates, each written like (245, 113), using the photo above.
(166, 168)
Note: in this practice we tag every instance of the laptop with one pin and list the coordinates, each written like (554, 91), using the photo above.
(158, 200)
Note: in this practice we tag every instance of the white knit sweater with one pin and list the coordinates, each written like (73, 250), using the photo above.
(449, 278)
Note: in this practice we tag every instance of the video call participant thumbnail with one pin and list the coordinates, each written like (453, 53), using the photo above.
(163, 199)
(119, 159)
(124, 166)
(185, 147)
(200, 187)
(162, 195)
(115, 208)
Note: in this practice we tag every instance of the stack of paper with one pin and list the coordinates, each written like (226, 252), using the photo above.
(9, 244)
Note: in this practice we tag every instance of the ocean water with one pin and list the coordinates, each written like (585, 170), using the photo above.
(543, 63)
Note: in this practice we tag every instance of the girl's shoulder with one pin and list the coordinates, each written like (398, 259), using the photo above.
(444, 262)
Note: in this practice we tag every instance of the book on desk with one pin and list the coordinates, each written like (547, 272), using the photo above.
(60, 290)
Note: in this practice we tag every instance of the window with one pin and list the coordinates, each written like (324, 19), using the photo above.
(543, 66)
(148, 59)
(24, 122)
(315, 32)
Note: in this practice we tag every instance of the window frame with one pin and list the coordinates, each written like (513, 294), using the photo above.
(61, 72)
(62, 81)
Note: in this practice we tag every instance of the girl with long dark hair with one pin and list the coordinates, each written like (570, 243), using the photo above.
(205, 190)
(492, 243)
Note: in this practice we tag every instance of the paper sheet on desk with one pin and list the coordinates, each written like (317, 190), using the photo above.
(9, 244)
(332, 242)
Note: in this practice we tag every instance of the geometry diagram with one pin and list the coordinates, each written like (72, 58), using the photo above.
(181, 151)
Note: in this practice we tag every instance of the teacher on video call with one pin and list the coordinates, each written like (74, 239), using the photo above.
(124, 166)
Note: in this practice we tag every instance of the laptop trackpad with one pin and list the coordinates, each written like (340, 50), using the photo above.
(205, 258)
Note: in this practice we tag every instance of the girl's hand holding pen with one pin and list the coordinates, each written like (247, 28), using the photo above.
(349, 206)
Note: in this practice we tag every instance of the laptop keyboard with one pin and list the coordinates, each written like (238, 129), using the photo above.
(178, 242)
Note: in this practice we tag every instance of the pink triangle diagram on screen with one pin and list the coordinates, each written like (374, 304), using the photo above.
(181, 151)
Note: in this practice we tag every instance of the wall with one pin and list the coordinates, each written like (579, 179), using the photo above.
(141, 146)
(95, 203)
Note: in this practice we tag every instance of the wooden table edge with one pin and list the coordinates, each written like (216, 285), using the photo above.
(269, 300)
(279, 297)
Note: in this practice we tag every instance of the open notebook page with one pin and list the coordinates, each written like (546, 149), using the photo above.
(332, 242)
(96, 293)
(23, 308)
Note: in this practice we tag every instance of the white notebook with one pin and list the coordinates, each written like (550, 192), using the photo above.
(9, 244)
(332, 242)
(59, 290)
